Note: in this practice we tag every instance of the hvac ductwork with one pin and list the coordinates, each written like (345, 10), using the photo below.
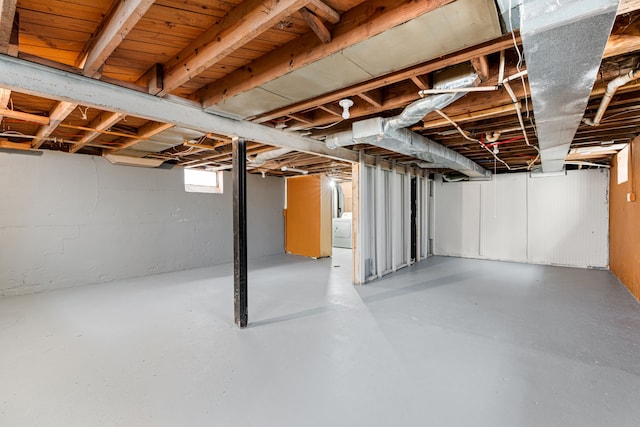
(262, 158)
(376, 132)
(563, 44)
(391, 134)
(416, 111)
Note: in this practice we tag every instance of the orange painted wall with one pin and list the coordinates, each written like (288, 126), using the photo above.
(308, 216)
(624, 224)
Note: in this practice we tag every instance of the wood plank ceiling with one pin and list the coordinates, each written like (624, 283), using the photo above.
(205, 52)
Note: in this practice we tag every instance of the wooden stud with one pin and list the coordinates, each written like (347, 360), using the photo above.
(360, 23)
(316, 25)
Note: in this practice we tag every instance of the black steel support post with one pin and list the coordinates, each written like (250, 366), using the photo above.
(239, 151)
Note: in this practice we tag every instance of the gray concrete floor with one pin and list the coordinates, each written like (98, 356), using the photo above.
(448, 342)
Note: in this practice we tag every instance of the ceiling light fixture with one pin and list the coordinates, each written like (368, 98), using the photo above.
(345, 104)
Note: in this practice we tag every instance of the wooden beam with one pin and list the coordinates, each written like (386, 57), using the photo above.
(244, 23)
(144, 133)
(120, 22)
(7, 15)
(627, 6)
(373, 97)
(100, 123)
(301, 118)
(5, 97)
(320, 9)
(14, 39)
(360, 23)
(331, 110)
(37, 80)
(18, 115)
(316, 25)
(363, 110)
(504, 42)
(470, 116)
(421, 82)
(153, 79)
(56, 116)
(481, 66)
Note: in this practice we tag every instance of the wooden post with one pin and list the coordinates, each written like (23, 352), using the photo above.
(239, 151)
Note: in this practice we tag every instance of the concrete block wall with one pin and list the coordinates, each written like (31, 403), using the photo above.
(69, 220)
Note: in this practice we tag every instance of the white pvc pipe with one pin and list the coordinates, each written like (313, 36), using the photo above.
(612, 87)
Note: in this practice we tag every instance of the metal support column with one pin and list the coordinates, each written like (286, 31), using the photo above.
(239, 152)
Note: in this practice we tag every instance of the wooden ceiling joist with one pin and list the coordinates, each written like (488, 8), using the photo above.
(144, 133)
(7, 16)
(356, 25)
(459, 57)
(316, 25)
(19, 115)
(5, 97)
(323, 11)
(122, 20)
(244, 23)
(100, 123)
(56, 116)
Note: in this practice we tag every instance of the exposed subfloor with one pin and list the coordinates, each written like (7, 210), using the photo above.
(447, 342)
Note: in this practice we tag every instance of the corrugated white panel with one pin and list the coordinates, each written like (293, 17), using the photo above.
(457, 219)
(569, 219)
(504, 218)
(561, 220)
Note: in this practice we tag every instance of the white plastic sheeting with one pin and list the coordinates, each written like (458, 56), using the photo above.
(562, 220)
(385, 221)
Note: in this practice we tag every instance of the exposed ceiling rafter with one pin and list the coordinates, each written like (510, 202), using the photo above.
(102, 122)
(122, 20)
(144, 133)
(56, 116)
(244, 23)
(358, 24)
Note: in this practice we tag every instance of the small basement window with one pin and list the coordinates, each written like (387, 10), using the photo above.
(202, 181)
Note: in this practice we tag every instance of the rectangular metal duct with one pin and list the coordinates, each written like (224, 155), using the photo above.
(564, 41)
(374, 132)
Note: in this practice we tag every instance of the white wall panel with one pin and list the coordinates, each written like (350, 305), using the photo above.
(504, 218)
(457, 219)
(569, 219)
(559, 220)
